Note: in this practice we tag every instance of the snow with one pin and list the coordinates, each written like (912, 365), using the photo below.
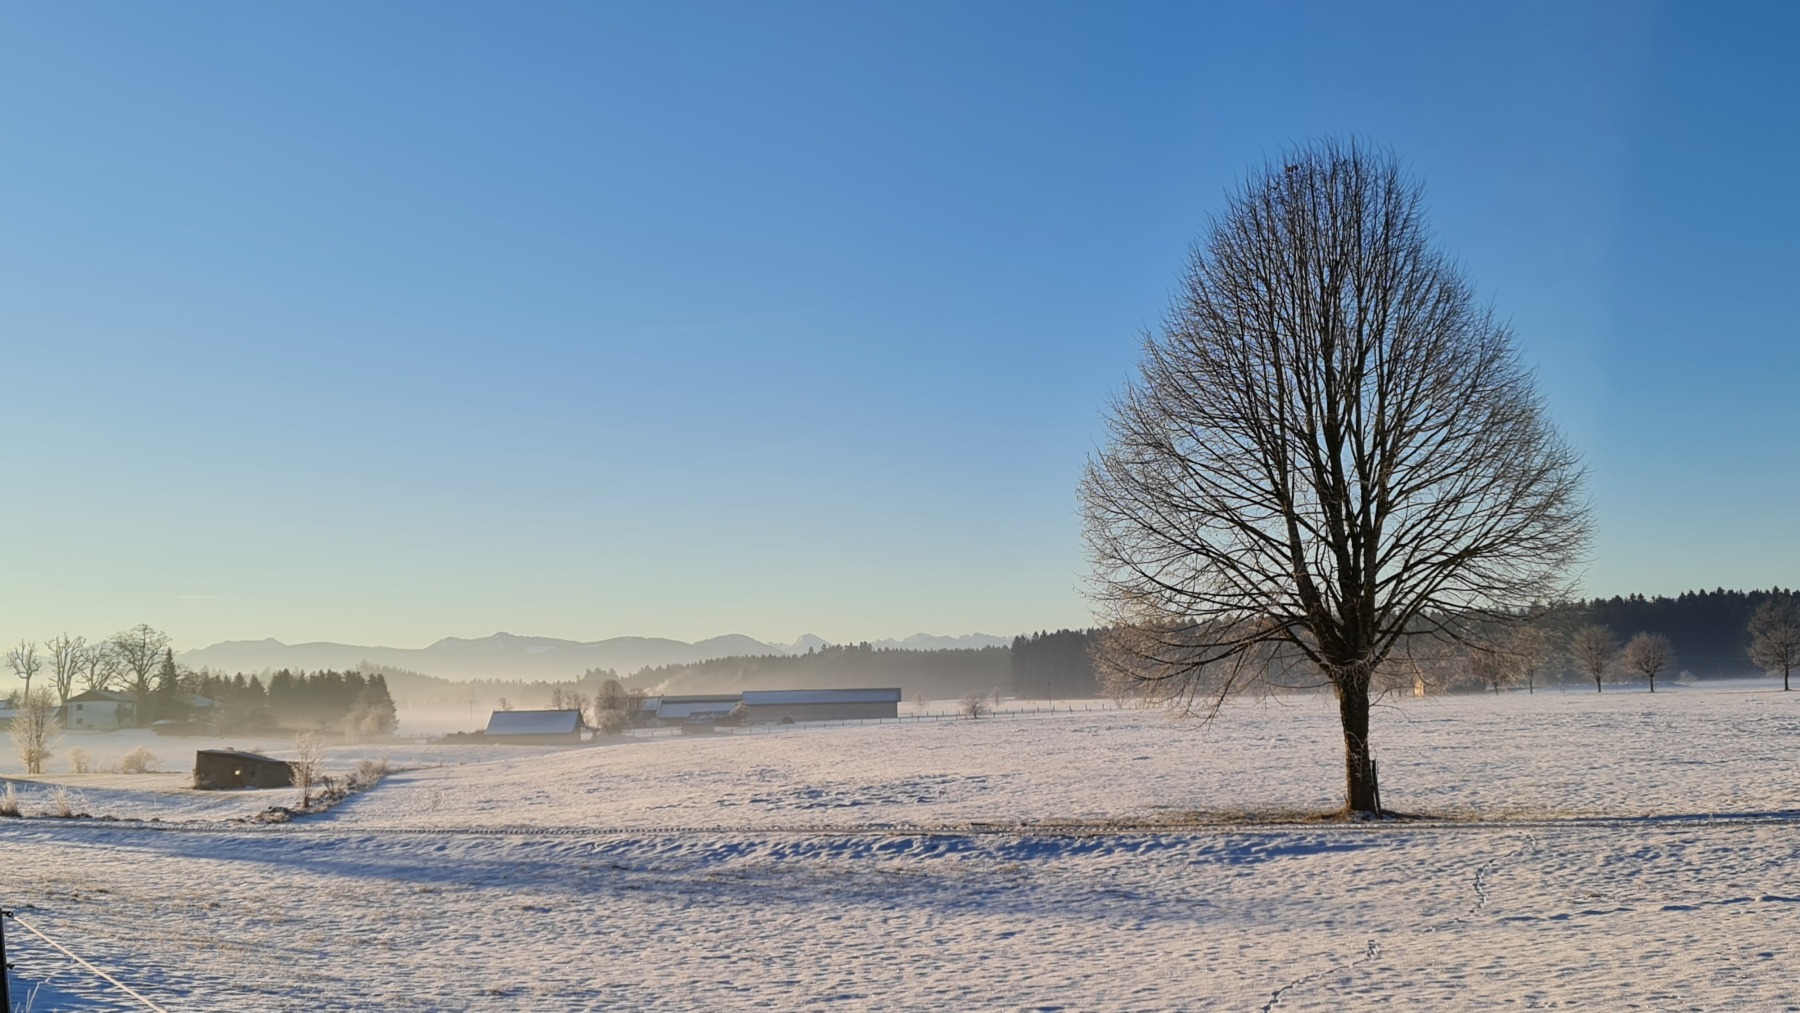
(1575, 849)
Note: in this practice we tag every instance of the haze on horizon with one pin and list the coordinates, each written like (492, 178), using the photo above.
(683, 321)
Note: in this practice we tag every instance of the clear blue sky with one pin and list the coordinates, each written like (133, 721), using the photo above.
(380, 323)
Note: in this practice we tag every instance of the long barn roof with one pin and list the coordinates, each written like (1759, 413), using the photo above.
(534, 722)
(795, 697)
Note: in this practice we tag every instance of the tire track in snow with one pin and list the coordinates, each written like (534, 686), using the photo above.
(1100, 828)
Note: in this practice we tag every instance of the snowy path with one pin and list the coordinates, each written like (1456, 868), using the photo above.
(616, 885)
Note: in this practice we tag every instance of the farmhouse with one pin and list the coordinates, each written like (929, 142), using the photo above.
(100, 710)
(535, 728)
(231, 768)
(774, 705)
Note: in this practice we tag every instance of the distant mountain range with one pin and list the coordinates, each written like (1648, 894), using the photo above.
(505, 656)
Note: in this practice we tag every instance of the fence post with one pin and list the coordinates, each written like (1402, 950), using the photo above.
(5, 968)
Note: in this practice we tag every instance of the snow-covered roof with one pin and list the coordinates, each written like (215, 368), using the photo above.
(794, 697)
(533, 722)
(103, 696)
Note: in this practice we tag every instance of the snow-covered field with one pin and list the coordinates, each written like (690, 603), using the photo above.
(1612, 851)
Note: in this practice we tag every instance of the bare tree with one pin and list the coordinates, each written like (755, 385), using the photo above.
(24, 662)
(308, 764)
(139, 651)
(1647, 654)
(1775, 637)
(65, 661)
(1331, 450)
(1593, 648)
(34, 730)
(1531, 651)
(975, 705)
(99, 665)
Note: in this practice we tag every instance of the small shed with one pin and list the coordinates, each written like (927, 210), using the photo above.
(233, 768)
(773, 705)
(534, 728)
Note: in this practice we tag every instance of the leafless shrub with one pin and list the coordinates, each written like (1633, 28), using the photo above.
(308, 764)
(35, 729)
(138, 761)
(9, 800)
(369, 773)
(63, 802)
(79, 760)
(613, 722)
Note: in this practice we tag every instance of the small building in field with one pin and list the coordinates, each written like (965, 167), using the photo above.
(775, 705)
(535, 728)
(216, 769)
(100, 710)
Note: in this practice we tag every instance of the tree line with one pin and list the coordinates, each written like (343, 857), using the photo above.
(140, 663)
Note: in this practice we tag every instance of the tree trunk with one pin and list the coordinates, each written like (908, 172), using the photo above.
(1784, 681)
(1653, 684)
(1597, 688)
(1362, 794)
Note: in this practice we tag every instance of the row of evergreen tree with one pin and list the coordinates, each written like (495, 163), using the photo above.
(349, 702)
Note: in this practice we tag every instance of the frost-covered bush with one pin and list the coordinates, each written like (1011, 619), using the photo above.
(613, 722)
(369, 773)
(9, 801)
(138, 761)
(63, 802)
(79, 760)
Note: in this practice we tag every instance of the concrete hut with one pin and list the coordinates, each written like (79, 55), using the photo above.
(233, 768)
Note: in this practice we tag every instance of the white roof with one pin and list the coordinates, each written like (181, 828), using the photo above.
(793, 697)
(533, 722)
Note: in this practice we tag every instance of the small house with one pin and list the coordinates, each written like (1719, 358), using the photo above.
(775, 705)
(100, 710)
(216, 769)
(535, 728)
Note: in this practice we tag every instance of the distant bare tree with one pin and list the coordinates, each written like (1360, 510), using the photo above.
(975, 705)
(1647, 654)
(139, 651)
(1775, 637)
(34, 730)
(611, 696)
(99, 665)
(24, 662)
(1593, 648)
(1531, 651)
(1490, 665)
(66, 655)
(1331, 449)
